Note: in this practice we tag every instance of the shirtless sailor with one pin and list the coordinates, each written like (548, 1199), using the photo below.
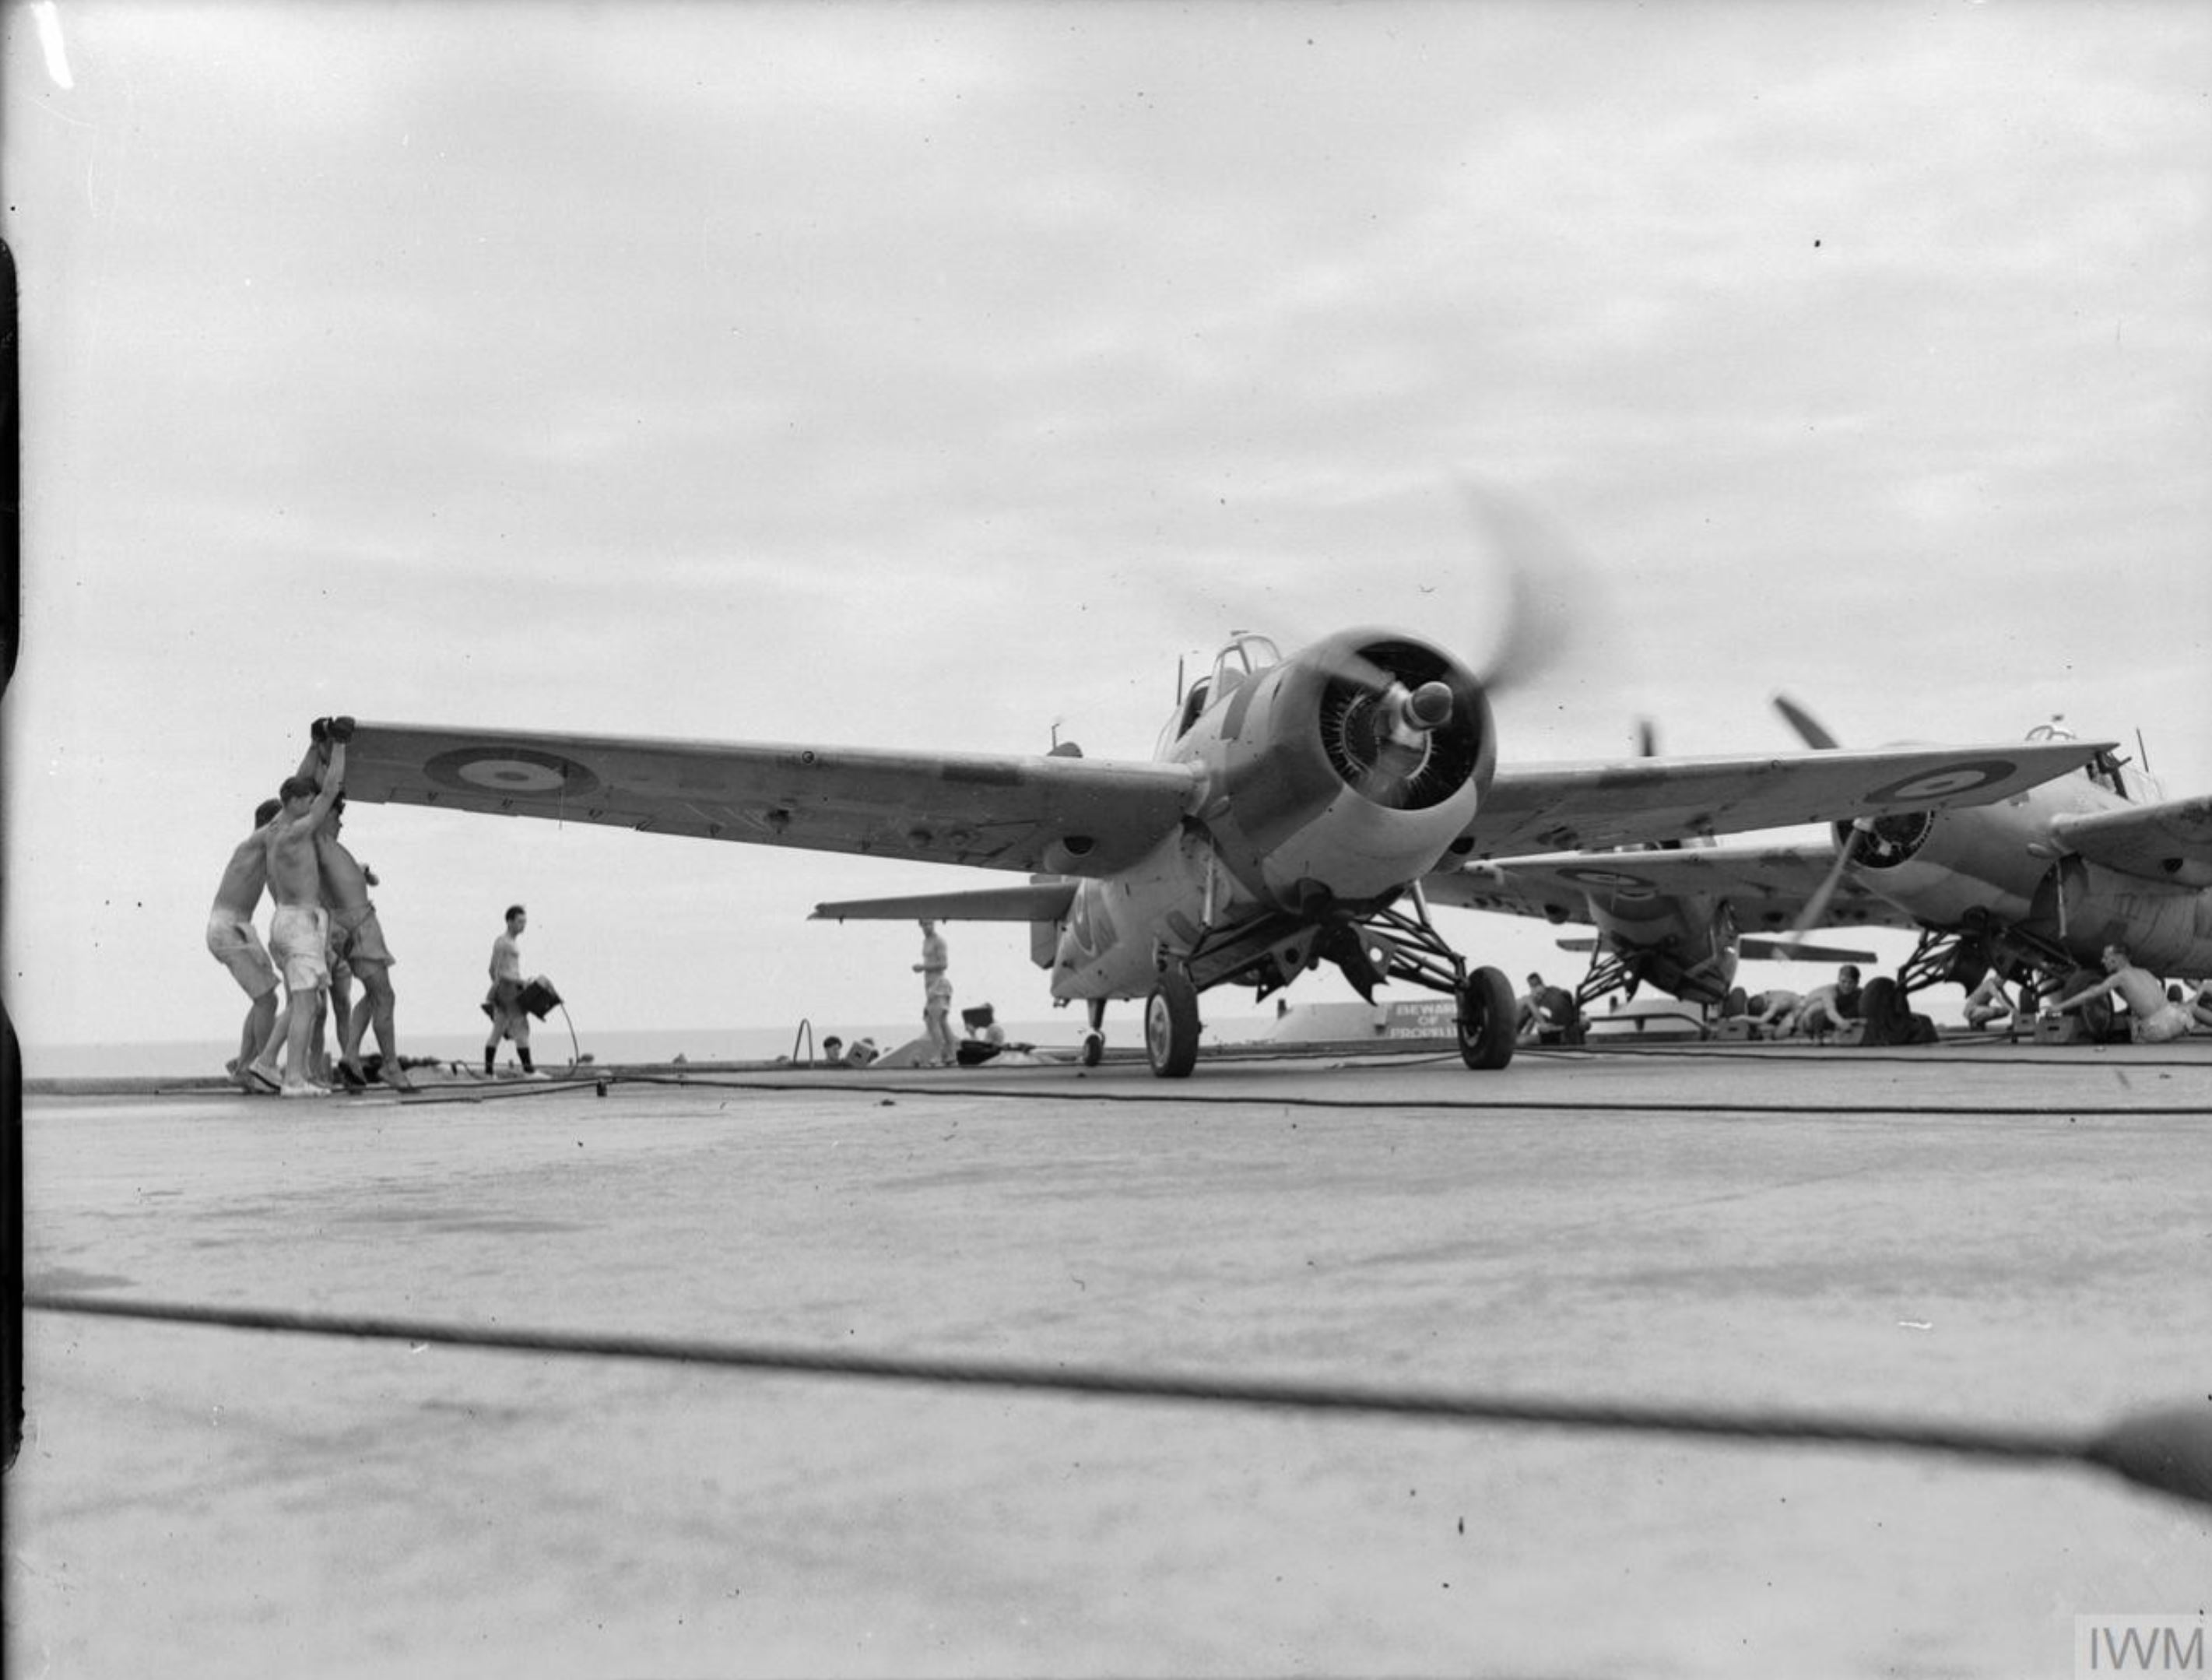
(299, 933)
(358, 940)
(232, 941)
(2154, 1018)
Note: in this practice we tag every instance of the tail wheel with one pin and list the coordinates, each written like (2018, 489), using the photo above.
(1172, 1025)
(1094, 1048)
(1487, 1011)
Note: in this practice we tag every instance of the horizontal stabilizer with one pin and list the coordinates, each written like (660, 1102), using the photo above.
(1045, 901)
(1757, 950)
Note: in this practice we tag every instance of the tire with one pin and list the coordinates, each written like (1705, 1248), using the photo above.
(1486, 1010)
(1172, 1025)
(2097, 1014)
(1094, 1048)
(1884, 1018)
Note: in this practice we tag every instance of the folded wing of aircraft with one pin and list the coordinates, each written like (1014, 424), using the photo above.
(1291, 810)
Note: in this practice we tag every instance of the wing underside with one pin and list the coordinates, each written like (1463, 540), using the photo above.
(1040, 815)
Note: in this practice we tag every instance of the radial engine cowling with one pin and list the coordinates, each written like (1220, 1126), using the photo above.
(1346, 771)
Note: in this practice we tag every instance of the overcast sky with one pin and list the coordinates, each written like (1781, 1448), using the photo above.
(929, 376)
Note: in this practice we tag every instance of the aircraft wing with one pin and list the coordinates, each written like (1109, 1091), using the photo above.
(1051, 815)
(1577, 807)
(1755, 949)
(2170, 842)
(1043, 901)
(1769, 886)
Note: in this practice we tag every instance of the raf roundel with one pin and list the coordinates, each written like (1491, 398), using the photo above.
(1942, 783)
(519, 772)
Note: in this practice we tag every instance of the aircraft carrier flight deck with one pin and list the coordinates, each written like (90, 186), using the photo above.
(483, 1380)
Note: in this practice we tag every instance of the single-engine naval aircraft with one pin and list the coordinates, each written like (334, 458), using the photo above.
(1288, 817)
(2033, 886)
(1686, 943)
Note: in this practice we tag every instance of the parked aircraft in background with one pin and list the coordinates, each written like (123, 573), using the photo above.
(1686, 944)
(1288, 817)
(2034, 885)
(1683, 937)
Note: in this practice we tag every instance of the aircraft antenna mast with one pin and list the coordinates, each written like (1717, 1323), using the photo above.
(2142, 752)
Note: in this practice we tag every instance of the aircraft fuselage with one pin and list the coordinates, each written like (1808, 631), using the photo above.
(1320, 799)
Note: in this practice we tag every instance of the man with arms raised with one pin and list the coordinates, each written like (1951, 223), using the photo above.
(358, 940)
(298, 934)
(232, 941)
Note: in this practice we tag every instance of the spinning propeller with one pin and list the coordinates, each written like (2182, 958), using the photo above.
(1808, 727)
(1814, 735)
(1542, 581)
(1385, 718)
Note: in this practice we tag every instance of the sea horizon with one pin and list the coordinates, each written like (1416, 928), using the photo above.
(553, 1046)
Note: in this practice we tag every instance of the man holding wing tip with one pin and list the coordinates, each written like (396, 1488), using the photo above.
(299, 934)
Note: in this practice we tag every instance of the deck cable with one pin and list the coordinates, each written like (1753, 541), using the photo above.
(2168, 1451)
(1184, 1096)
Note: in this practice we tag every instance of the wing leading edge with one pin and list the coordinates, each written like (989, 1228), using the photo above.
(1050, 815)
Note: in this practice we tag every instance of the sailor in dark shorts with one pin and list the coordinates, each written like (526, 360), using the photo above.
(357, 940)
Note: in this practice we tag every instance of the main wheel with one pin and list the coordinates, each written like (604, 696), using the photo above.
(1172, 1025)
(1884, 1015)
(1486, 1012)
